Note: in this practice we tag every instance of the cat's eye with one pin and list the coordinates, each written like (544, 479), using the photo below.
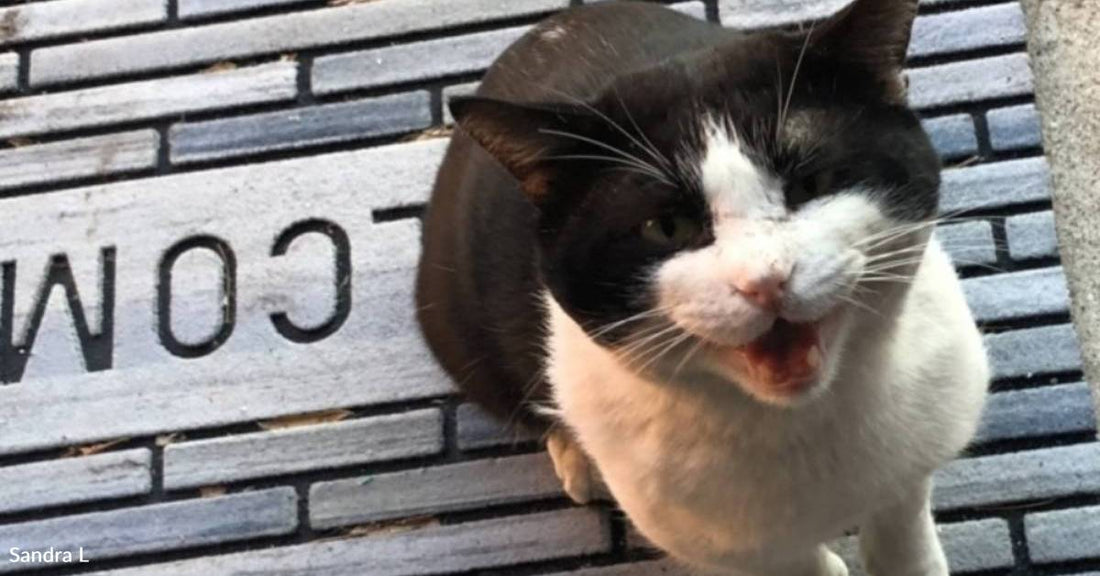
(808, 187)
(670, 231)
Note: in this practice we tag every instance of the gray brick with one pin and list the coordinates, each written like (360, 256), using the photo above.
(1031, 475)
(234, 458)
(74, 480)
(449, 92)
(1064, 535)
(9, 72)
(1032, 236)
(158, 528)
(39, 20)
(694, 9)
(1018, 294)
(969, 243)
(969, 546)
(376, 356)
(182, 47)
(997, 185)
(300, 127)
(1015, 128)
(458, 548)
(411, 62)
(970, 80)
(751, 14)
(189, 9)
(1060, 409)
(81, 158)
(149, 99)
(985, 27)
(1034, 351)
(941, 2)
(477, 429)
(952, 136)
(426, 491)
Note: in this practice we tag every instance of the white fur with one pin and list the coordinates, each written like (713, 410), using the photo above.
(726, 482)
(735, 188)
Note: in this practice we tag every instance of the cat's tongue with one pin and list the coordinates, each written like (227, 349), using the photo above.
(786, 358)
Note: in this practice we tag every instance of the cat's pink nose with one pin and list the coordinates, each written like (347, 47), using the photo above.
(764, 290)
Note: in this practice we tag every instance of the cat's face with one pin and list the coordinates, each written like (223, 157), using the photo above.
(728, 215)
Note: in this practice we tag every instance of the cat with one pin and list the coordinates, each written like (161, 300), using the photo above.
(701, 261)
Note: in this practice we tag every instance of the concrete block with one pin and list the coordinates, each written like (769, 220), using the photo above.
(374, 356)
(1025, 353)
(191, 9)
(81, 158)
(235, 458)
(1063, 535)
(300, 127)
(254, 37)
(1059, 409)
(752, 14)
(1014, 128)
(996, 185)
(42, 20)
(968, 243)
(457, 548)
(158, 528)
(1021, 476)
(9, 72)
(477, 429)
(970, 81)
(411, 62)
(952, 136)
(972, 29)
(74, 480)
(427, 491)
(148, 99)
(1032, 236)
(1017, 295)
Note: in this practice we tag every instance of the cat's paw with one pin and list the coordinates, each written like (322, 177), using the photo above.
(578, 476)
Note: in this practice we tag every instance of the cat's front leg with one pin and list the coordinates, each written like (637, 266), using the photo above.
(579, 477)
(819, 561)
(901, 540)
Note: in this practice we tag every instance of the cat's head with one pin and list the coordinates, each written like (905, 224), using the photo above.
(728, 214)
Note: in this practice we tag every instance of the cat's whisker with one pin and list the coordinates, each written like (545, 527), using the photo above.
(650, 148)
(672, 343)
(644, 315)
(645, 170)
(618, 127)
(794, 77)
(861, 305)
(643, 338)
(605, 146)
(687, 357)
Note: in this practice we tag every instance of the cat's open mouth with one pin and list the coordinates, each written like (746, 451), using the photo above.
(785, 361)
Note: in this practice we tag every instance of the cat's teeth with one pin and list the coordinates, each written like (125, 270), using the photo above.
(813, 358)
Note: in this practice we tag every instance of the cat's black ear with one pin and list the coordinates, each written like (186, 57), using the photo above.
(873, 34)
(525, 138)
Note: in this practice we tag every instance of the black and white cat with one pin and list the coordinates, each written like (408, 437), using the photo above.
(702, 260)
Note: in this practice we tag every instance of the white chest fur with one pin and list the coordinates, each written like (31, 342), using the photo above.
(709, 474)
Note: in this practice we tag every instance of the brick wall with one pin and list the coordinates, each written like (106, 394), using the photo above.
(208, 227)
